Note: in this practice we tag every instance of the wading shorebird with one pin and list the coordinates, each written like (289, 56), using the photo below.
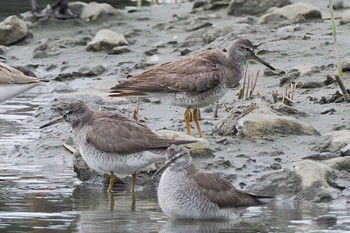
(13, 82)
(112, 143)
(185, 192)
(192, 82)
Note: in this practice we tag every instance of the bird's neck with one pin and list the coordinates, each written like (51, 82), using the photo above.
(237, 65)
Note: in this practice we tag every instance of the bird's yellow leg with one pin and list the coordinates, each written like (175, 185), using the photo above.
(133, 182)
(111, 182)
(136, 110)
(187, 120)
(111, 200)
(133, 201)
(195, 119)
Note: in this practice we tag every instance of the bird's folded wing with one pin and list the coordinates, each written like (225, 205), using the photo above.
(123, 137)
(196, 74)
(220, 191)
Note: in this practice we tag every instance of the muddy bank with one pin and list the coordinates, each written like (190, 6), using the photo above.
(301, 48)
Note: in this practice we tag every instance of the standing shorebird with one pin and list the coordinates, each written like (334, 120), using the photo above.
(111, 143)
(13, 82)
(185, 192)
(192, 82)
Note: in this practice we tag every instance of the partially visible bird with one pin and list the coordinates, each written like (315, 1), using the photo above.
(192, 82)
(14, 82)
(185, 192)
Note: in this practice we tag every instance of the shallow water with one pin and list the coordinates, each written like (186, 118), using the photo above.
(49, 198)
(43, 196)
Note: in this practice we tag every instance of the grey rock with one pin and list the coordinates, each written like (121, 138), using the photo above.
(289, 77)
(40, 54)
(345, 151)
(62, 88)
(345, 18)
(311, 84)
(227, 126)
(198, 25)
(93, 11)
(322, 156)
(201, 147)
(263, 122)
(276, 166)
(339, 5)
(106, 39)
(288, 110)
(199, 3)
(253, 7)
(295, 13)
(151, 51)
(224, 29)
(90, 72)
(120, 50)
(333, 142)
(346, 64)
(325, 220)
(12, 30)
(306, 179)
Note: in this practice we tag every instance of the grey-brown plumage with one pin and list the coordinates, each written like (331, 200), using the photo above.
(14, 82)
(187, 192)
(109, 142)
(192, 82)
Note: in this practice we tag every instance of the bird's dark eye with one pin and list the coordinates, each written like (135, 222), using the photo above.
(69, 112)
(247, 49)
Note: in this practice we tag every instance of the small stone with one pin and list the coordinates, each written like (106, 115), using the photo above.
(311, 85)
(346, 64)
(345, 151)
(40, 54)
(338, 5)
(328, 111)
(276, 166)
(119, 50)
(345, 18)
(325, 220)
(62, 88)
(151, 52)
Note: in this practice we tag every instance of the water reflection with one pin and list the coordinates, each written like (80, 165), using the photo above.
(186, 226)
(96, 215)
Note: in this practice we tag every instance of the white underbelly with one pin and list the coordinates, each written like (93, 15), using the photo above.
(198, 100)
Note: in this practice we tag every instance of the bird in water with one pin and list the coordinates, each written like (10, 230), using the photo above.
(111, 143)
(186, 192)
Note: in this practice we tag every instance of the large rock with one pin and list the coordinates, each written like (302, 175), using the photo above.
(12, 30)
(296, 13)
(224, 29)
(94, 11)
(261, 122)
(345, 18)
(106, 39)
(334, 141)
(307, 180)
(253, 7)
(199, 148)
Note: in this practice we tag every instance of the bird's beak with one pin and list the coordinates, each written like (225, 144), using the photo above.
(167, 164)
(258, 59)
(58, 120)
